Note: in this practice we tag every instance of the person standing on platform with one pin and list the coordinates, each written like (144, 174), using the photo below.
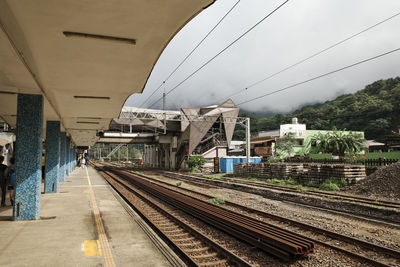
(11, 183)
(83, 163)
(3, 181)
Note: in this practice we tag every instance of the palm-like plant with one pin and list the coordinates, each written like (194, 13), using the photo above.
(339, 143)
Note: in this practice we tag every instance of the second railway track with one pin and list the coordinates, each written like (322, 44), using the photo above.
(365, 251)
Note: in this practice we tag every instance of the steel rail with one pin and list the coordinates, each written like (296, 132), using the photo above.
(354, 198)
(115, 182)
(202, 180)
(279, 242)
(354, 241)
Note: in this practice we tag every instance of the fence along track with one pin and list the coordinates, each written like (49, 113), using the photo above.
(392, 256)
(279, 242)
(196, 249)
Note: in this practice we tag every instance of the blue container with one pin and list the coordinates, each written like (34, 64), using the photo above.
(226, 164)
(255, 160)
(229, 165)
(243, 159)
(222, 164)
(236, 160)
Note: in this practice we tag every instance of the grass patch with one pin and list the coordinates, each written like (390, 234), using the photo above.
(213, 177)
(178, 183)
(301, 188)
(287, 182)
(251, 179)
(217, 201)
(387, 155)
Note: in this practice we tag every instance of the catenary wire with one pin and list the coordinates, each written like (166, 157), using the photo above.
(222, 51)
(319, 76)
(309, 57)
(191, 52)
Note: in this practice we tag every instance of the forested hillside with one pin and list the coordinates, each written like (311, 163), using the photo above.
(374, 110)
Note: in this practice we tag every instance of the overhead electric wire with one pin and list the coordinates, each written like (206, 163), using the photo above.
(310, 57)
(319, 76)
(223, 50)
(191, 52)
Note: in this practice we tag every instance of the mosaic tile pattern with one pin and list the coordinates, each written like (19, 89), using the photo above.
(67, 157)
(28, 165)
(63, 149)
(52, 156)
(70, 160)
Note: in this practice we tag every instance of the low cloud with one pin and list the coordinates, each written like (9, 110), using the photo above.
(296, 31)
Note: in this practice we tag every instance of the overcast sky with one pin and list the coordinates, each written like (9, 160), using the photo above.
(297, 30)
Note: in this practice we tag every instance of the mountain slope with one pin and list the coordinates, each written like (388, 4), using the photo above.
(374, 110)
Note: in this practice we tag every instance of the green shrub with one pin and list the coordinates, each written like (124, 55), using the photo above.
(195, 161)
(217, 201)
(289, 182)
(333, 184)
(328, 185)
(274, 159)
(178, 183)
(342, 182)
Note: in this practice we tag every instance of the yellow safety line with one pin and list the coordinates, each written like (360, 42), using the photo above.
(105, 247)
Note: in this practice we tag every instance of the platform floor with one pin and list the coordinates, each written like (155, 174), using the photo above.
(68, 234)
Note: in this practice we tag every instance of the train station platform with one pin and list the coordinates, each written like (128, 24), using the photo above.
(85, 224)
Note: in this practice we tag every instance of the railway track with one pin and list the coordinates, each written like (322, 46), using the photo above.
(278, 242)
(195, 248)
(337, 196)
(362, 250)
(230, 183)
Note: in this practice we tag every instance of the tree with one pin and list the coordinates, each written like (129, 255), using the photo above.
(195, 162)
(339, 142)
(286, 144)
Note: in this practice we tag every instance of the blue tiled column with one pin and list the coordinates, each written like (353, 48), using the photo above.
(28, 165)
(52, 156)
(74, 161)
(67, 156)
(70, 159)
(63, 139)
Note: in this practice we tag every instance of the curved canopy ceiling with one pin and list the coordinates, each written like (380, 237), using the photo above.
(86, 57)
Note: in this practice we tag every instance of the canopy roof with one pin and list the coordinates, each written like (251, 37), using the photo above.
(85, 57)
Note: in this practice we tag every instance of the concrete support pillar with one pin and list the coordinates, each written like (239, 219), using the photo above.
(67, 156)
(52, 156)
(166, 157)
(74, 158)
(28, 165)
(63, 139)
(173, 159)
(70, 158)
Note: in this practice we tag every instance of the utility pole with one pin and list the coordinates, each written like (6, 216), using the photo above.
(248, 140)
(165, 114)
